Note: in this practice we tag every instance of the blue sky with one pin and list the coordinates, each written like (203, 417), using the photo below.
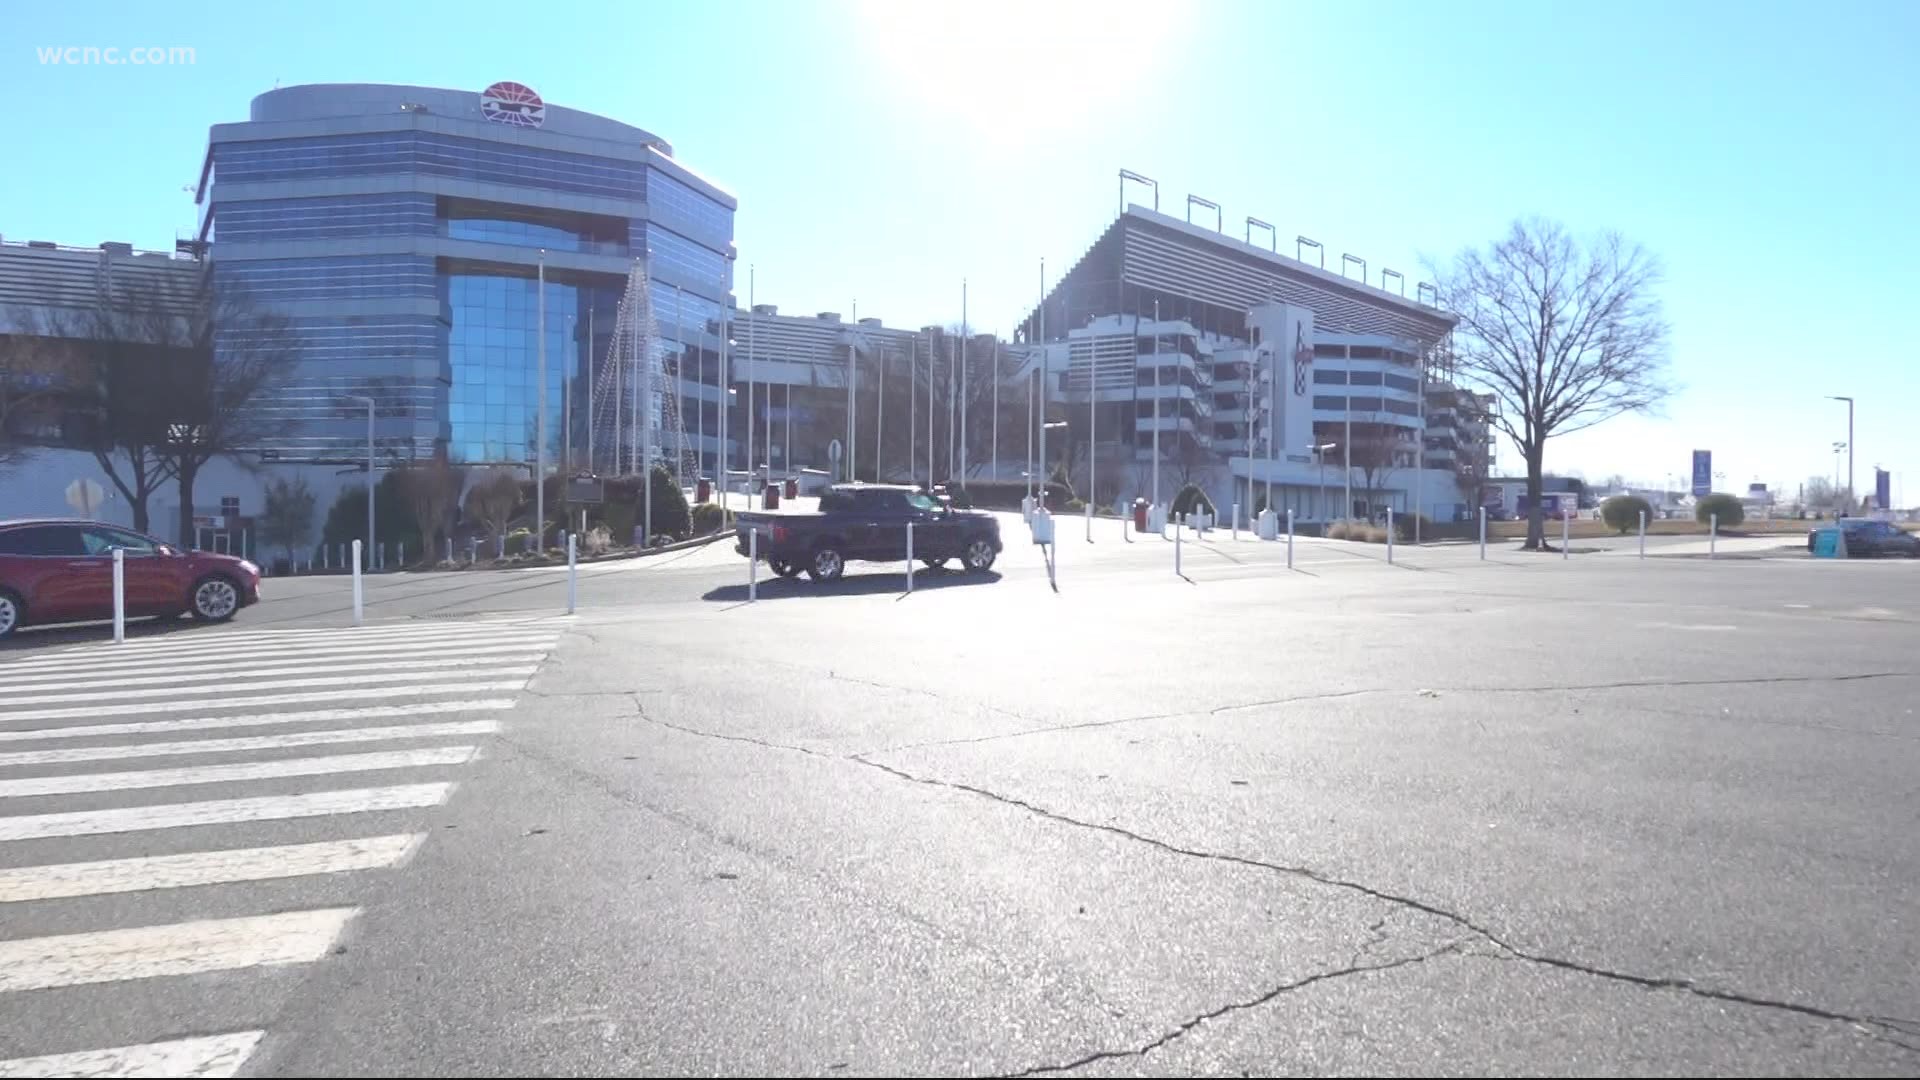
(883, 152)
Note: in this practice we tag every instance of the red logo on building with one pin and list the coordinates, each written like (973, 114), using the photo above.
(512, 103)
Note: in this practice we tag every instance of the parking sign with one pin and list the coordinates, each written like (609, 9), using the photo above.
(1702, 472)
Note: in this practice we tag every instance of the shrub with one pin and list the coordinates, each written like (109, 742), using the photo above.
(670, 514)
(1622, 512)
(287, 522)
(1403, 526)
(711, 518)
(1356, 530)
(1191, 500)
(1006, 494)
(1075, 506)
(518, 539)
(393, 516)
(1726, 506)
(598, 540)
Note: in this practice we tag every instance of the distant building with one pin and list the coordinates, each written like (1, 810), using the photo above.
(1255, 369)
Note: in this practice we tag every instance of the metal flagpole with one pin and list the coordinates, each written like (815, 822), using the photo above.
(1156, 405)
(539, 420)
(1044, 475)
(994, 450)
(592, 381)
(879, 410)
(933, 366)
(853, 420)
(963, 380)
(1030, 388)
(1420, 454)
(753, 358)
(566, 400)
(699, 407)
(913, 408)
(953, 401)
(619, 393)
(642, 354)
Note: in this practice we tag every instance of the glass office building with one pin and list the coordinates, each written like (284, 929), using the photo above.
(400, 231)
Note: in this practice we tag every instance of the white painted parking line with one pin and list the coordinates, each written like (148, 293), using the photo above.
(249, 651)
(251, 742)
(235, 772)
(270, 684)
(205, 868)
(147, 952)
(222, 811)
(209, 1057)
(203, 704)
(253, 666)
(208, 723)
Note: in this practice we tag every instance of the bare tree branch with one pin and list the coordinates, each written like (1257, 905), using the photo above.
(1566, 336)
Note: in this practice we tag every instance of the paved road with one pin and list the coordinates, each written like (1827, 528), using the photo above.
(1527, 815)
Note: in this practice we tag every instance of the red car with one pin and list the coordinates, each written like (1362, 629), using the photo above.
(54, 571)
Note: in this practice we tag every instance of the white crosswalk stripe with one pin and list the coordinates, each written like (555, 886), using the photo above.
(211, 1057)
(387, 717)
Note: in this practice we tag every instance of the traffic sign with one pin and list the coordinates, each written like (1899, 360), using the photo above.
(85, 496)
(1702, 472)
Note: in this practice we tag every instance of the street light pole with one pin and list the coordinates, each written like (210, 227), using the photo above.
(539, 420)
(368, 402)
(1849, 401)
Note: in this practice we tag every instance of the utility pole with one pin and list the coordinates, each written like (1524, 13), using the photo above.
(539, 420)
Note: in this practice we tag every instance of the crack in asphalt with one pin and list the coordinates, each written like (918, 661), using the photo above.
(1334, 695)
(1875, 1027)
(1186, 1026)
(1881, 1028)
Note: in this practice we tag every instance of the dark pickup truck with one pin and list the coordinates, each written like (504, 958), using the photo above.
(868, 523)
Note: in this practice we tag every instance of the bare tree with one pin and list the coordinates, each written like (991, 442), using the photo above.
(170, 374)
(1565, 335)
(288, 519)
(1379, 449)
(236, 353)
(493, 499)
(432, 491)
(1817, 494)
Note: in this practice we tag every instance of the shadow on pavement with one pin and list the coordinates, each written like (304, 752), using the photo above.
(774, 587)
(29, 638)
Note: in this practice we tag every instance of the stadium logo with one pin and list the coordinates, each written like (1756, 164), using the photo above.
(512, 103)
(1302, 359)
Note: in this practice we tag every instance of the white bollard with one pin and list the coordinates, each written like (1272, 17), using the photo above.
(1483, 534)
(119, 595)
(909, 556)
(1236, 521)
(400, 559)
(500, 543)
(359, 614)
(449, 549)
(1566, 533)
(1713, 536)
(1289, 537)
(1179, 526)
(1089, 523)
(1389, 536)
(753, 565)
(1643, 534)
(573, 572)
(326, 558)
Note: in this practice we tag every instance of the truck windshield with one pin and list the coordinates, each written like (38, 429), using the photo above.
(921, 502)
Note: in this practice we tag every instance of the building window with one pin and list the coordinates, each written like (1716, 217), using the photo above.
(1331, 404)
(1364, 378)
(1329, 375)
(1401, 382)
(1366, 352)
(1338, 352)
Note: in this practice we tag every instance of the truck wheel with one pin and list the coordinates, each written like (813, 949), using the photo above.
(783, 567)
(979, 557)
(936, 564)
(827, 565)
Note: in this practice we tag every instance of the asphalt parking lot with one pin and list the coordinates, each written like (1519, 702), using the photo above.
(1527, 815)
